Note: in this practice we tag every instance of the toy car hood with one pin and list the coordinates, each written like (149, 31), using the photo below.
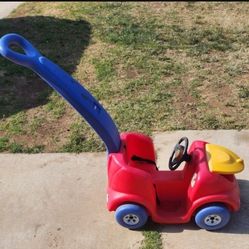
(223, 161)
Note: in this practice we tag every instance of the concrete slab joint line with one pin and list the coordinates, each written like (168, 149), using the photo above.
(59, 201)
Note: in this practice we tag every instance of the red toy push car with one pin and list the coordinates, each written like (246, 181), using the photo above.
(205, 188)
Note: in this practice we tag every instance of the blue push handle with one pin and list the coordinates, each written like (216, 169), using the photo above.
(66, 86)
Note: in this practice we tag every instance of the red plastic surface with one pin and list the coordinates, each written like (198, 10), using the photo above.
(168, 196)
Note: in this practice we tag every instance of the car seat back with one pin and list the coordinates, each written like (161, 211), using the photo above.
(139, 148)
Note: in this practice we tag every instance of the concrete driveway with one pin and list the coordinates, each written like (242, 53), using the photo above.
(59, 201)
(7, 7)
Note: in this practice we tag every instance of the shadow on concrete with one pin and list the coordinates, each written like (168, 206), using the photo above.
(169, 228)
(239, 223)
(62, 41)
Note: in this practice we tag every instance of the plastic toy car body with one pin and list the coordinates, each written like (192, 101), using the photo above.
(205, 188)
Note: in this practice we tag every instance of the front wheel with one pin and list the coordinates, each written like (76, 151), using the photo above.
(213, 217)
(131, 216)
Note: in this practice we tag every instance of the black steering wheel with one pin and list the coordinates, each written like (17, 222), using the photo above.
(179, 154)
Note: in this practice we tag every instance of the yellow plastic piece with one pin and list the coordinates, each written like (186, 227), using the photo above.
(223, 161)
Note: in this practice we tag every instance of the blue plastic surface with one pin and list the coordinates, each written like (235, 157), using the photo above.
(220, 211)
(66, 86)
(129, 211)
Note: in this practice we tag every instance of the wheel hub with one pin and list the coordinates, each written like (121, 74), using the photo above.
(131, 219)
(212, 220)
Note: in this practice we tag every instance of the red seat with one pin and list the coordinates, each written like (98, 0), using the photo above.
(138, 148)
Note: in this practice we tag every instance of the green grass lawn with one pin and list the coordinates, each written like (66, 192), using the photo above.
(153, 66)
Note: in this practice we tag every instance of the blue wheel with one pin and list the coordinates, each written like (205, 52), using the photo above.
(213, 217)
(131, 216)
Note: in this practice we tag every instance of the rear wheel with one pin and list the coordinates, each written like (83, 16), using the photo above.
(131, 216)
(213, 217)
